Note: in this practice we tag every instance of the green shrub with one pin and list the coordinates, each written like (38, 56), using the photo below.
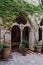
(5, 45)
(25, 43)
(1, 45)
(42, 44)
(36, 45)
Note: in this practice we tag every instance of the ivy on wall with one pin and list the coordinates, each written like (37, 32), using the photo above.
(10, 9)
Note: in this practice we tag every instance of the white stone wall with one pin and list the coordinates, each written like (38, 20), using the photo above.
(37, 34)
(35, 2)
(8, 37)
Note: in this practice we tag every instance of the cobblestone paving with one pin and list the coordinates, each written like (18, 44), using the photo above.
(30, 59)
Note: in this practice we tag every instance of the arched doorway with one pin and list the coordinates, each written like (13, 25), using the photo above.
(15, 37)
(40, 34)
(26, 34)
(40, 31)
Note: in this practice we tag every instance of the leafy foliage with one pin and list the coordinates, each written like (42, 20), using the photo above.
(10, 9)
(25, 43)
(36, 45)
(3, 45)
(42, 44)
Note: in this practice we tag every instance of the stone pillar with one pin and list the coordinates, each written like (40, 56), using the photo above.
(21, 27)
(0, 27)
(0, 33)
(21, 36)
(31, 40)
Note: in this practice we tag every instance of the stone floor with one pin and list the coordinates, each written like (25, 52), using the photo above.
(30, 59)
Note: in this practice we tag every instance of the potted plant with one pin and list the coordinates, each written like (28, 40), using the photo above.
(23, 46)
(5, 51)
(42, 47)
(37, 47)
(1, 46)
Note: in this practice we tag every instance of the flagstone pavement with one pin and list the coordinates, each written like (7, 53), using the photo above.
(30, 59)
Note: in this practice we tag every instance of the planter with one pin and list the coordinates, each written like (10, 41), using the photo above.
(1, 46)
(0, 52)
(5, 53)
(23, 47)
(42, 50)
(38, 49)
(24, 52)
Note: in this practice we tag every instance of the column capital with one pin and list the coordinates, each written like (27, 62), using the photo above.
(21, 27)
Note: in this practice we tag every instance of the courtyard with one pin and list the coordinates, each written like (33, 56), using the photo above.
(21, 32)
(18, 59)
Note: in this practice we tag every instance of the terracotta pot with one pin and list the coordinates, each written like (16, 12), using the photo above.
(24, 52)
(38, 50)
(5, 53)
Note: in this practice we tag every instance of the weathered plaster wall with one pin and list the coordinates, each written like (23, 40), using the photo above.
(5, 35)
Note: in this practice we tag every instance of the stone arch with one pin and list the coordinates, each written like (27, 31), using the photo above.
(26, 31)
(40, 30)
(15, 37)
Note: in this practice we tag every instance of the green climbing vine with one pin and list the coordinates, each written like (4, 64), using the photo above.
(10, 9)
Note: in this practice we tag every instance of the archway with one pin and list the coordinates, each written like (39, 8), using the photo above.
(26, 34)
(15, 37)
(40, 34)
(40, 31)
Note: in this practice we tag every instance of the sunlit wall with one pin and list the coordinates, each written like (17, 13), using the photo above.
(35, 2)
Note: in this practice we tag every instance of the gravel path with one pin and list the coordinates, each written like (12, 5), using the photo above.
(17, 59)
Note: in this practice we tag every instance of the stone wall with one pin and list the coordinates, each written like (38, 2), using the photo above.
(5, 35)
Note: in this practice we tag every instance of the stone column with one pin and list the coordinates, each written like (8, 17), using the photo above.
(0, 27)
(21, 27)
(0, 33)
(31, 40)
(21, 36)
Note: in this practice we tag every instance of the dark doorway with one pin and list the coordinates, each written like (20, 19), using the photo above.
(40, 34)
(21, 20)
(40, 30)
(15, 37)
(26, 34)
